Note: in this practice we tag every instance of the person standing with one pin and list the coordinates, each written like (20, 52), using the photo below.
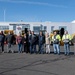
(33, 43)
(47, 39)
(2, 40)
(73, 41)
(56, 42)
(19, 42)
(41, 40)
(10, 40)
(66, 39)
(29, 35)
(25, 43)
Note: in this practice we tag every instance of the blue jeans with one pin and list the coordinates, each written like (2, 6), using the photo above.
(19, 48)
(67, 49)
(32, 48)
(41, 48)
(56, 48)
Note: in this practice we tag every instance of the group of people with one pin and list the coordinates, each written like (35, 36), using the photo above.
(30, 41)
(27, 42)
(66, 38)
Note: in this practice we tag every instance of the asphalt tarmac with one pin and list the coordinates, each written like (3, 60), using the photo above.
(37, 64)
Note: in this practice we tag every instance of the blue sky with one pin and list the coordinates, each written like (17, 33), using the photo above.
(37, 10)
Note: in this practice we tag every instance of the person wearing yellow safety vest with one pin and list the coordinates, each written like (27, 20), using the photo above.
(66, 39)
(56, 43)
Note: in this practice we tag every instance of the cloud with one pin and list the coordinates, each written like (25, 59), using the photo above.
(34, 3)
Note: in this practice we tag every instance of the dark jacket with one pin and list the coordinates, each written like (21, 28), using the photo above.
(2, 38)
(10, 38)
(25, 40)
(33, 39)
(37, 38)
(41, 40)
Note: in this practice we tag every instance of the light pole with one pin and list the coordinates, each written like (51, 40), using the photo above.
(4, 14)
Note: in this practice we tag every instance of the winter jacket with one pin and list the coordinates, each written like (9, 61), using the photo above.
(10, 38)
(19, 39)
(41, 40)
(2, 38)
(33, 39)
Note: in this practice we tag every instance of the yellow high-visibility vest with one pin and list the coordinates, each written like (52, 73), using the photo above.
(67, 36)
(57, 37)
